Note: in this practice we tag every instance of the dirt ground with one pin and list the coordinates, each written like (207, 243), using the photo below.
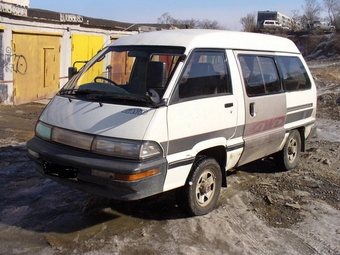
(263, 210)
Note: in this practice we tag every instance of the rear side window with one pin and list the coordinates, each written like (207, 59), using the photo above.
(294, 74)
(205, 74)
(260, 75)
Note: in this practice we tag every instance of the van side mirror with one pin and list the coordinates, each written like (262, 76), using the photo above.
(71, 71)
(155, 75)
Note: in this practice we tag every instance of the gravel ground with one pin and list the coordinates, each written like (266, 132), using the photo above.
(263, 210)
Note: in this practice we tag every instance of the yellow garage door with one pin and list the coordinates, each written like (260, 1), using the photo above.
(36, 66)
(85, 47)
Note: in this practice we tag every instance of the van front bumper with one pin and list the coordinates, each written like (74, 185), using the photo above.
(94, 173)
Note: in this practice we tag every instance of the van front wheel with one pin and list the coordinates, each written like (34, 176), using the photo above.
(288, 158)
(202, 189)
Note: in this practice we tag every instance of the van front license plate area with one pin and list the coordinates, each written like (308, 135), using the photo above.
(60, 171)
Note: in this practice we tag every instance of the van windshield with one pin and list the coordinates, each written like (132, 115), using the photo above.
(126, 73)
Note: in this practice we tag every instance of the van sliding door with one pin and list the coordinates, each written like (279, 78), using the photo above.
(265, 105)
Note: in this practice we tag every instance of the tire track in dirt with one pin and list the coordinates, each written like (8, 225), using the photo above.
(259, 237)
(240, 219)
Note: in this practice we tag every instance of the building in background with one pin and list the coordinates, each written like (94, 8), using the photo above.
(284, 20)
(23, 3)
(37, 47)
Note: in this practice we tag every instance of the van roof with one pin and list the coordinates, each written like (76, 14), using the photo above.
(207, 38)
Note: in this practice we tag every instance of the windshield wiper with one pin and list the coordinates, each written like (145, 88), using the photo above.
(123, 97)
(102, 95)
(80, 92)
(89, 92)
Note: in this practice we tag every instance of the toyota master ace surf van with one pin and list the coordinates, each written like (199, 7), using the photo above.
(176, 109)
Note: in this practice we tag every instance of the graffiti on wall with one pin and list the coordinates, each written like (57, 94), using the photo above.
(12, 62)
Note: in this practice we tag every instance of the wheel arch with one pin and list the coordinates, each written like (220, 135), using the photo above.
(301, 130)
(219, 154)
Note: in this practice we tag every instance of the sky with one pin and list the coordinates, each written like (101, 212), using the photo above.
(228, 13)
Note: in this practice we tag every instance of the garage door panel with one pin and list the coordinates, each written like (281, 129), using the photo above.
(36, 66)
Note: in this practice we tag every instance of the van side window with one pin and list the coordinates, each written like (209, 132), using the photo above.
(205, 74)
(294, 74)
(260, 75)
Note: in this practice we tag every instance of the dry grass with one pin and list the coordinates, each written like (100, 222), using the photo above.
(329, 74)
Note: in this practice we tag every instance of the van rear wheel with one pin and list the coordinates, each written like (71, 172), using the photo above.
(202, 188)
(289, 156)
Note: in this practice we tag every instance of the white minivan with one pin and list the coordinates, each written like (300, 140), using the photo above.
(273, 24)
(176, 109)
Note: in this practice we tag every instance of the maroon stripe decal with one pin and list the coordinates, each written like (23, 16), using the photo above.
(264, 125)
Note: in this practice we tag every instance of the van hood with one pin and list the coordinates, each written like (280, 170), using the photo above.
(110, 120)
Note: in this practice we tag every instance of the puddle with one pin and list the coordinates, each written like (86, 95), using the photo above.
(105, 223)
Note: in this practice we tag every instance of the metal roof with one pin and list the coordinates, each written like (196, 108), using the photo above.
(46, 16)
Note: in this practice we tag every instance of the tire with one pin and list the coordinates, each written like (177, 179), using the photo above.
(202, 188)
(288, 158)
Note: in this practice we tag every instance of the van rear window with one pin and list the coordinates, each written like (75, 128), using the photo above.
(294, 74)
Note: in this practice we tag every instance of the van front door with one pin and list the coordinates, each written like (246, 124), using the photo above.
(265, 105)
(202, 113)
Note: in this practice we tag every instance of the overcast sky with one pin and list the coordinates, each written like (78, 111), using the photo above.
(228, 13)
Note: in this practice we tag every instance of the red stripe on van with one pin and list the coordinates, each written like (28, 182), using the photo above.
(264, 125)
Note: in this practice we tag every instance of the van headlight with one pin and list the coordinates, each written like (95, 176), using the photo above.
(126, 148)
(121, 148)
(43, 130)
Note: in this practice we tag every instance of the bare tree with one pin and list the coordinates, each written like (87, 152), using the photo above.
(296, 14)
(165, 18)
(330, 6)
(333, 9)
(210, 24)
(249, 22)
(311, 11)
(190, 23)
(296, 17)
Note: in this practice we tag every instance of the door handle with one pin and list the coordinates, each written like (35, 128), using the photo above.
(252, 109)
(228, 105)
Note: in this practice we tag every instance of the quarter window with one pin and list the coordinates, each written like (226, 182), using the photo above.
(294, 74)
